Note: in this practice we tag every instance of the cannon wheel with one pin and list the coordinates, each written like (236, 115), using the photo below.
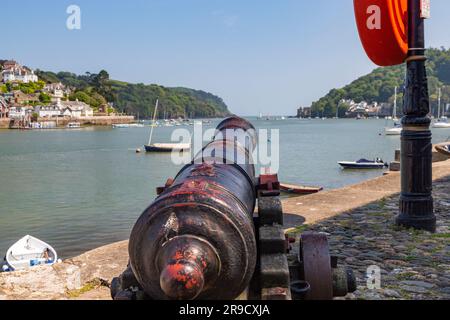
(316, 266)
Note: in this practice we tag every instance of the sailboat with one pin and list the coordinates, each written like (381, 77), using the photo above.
(397, 129)
(442, 122)
(163, 147)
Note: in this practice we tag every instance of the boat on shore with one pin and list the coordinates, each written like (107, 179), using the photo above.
(29, 252)
(296, 189)
(363, 164)
(444, 149)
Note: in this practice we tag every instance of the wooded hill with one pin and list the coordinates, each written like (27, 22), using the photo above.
(379, 85)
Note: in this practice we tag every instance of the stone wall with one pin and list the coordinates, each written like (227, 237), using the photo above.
(4, 123)
(96, 120)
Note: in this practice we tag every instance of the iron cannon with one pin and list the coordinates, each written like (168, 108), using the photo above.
(202, 239)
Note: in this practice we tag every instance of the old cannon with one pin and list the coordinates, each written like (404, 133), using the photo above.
(202, 239)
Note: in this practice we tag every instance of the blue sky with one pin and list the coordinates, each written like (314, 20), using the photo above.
(259, 56)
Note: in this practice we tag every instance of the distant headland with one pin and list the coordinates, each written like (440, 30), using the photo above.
(27, 96)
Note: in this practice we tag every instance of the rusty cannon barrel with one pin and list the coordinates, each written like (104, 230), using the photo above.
(197, 239)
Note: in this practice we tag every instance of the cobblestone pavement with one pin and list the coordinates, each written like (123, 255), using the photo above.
(414, 264)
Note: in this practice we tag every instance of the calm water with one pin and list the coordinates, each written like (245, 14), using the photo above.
(79, 189)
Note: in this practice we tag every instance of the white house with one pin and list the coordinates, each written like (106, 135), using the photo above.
(19, 112)
(13, 72)
(71, 109)
(56, 90)
(76, 109)
(48, 111)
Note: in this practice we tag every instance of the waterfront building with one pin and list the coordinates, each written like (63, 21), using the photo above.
(20, 112)
(22, 98)
(56, 90)
(75, 109)
(304, 112)
(47, 111)
(14, 72)
(70, 109)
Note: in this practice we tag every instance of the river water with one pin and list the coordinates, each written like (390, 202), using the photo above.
(80, 189)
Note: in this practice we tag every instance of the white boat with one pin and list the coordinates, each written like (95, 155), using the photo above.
(73, 125)
(29, 252)
(165, 147)
(363, 164)
(128, 125)
(442, 123)
(396, 131)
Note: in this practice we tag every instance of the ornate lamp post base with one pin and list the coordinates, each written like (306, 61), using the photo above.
(416, 201)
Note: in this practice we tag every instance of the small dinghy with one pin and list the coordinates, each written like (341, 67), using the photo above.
(364, 164)
(294, 189)
(444, 149)
(29, 252)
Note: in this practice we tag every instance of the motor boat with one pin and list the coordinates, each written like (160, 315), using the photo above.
(364, 164)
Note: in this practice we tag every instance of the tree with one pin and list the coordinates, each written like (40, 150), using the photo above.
(44, 98)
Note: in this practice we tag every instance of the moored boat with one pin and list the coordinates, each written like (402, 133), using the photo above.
(73, 125)
(29, 252)
(167, 147)
(396, 131)
(128, 125)
(442, 123)
(295, 189)
(363, 164)
(164, 147)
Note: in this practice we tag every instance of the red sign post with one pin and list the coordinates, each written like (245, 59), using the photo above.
(392, 32)
(382, 26)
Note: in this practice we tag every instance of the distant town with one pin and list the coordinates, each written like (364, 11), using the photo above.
(28, 102)
(354, 109)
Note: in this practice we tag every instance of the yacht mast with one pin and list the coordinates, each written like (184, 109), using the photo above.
(439, 103)
(395, 105)
(154, 123)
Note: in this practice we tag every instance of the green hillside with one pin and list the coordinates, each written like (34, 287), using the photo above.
(379, 85)
(139, 99)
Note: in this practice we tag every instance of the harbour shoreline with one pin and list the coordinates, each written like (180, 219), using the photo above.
(88, 275)
(85, 121)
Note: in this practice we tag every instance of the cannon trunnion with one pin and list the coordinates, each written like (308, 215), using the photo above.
(201, 239)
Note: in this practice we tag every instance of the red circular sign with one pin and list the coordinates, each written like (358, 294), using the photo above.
(382, 26)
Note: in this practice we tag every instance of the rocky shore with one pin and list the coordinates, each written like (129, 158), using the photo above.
(359, 221)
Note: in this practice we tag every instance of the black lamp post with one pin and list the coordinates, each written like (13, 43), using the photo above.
(416, 201)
